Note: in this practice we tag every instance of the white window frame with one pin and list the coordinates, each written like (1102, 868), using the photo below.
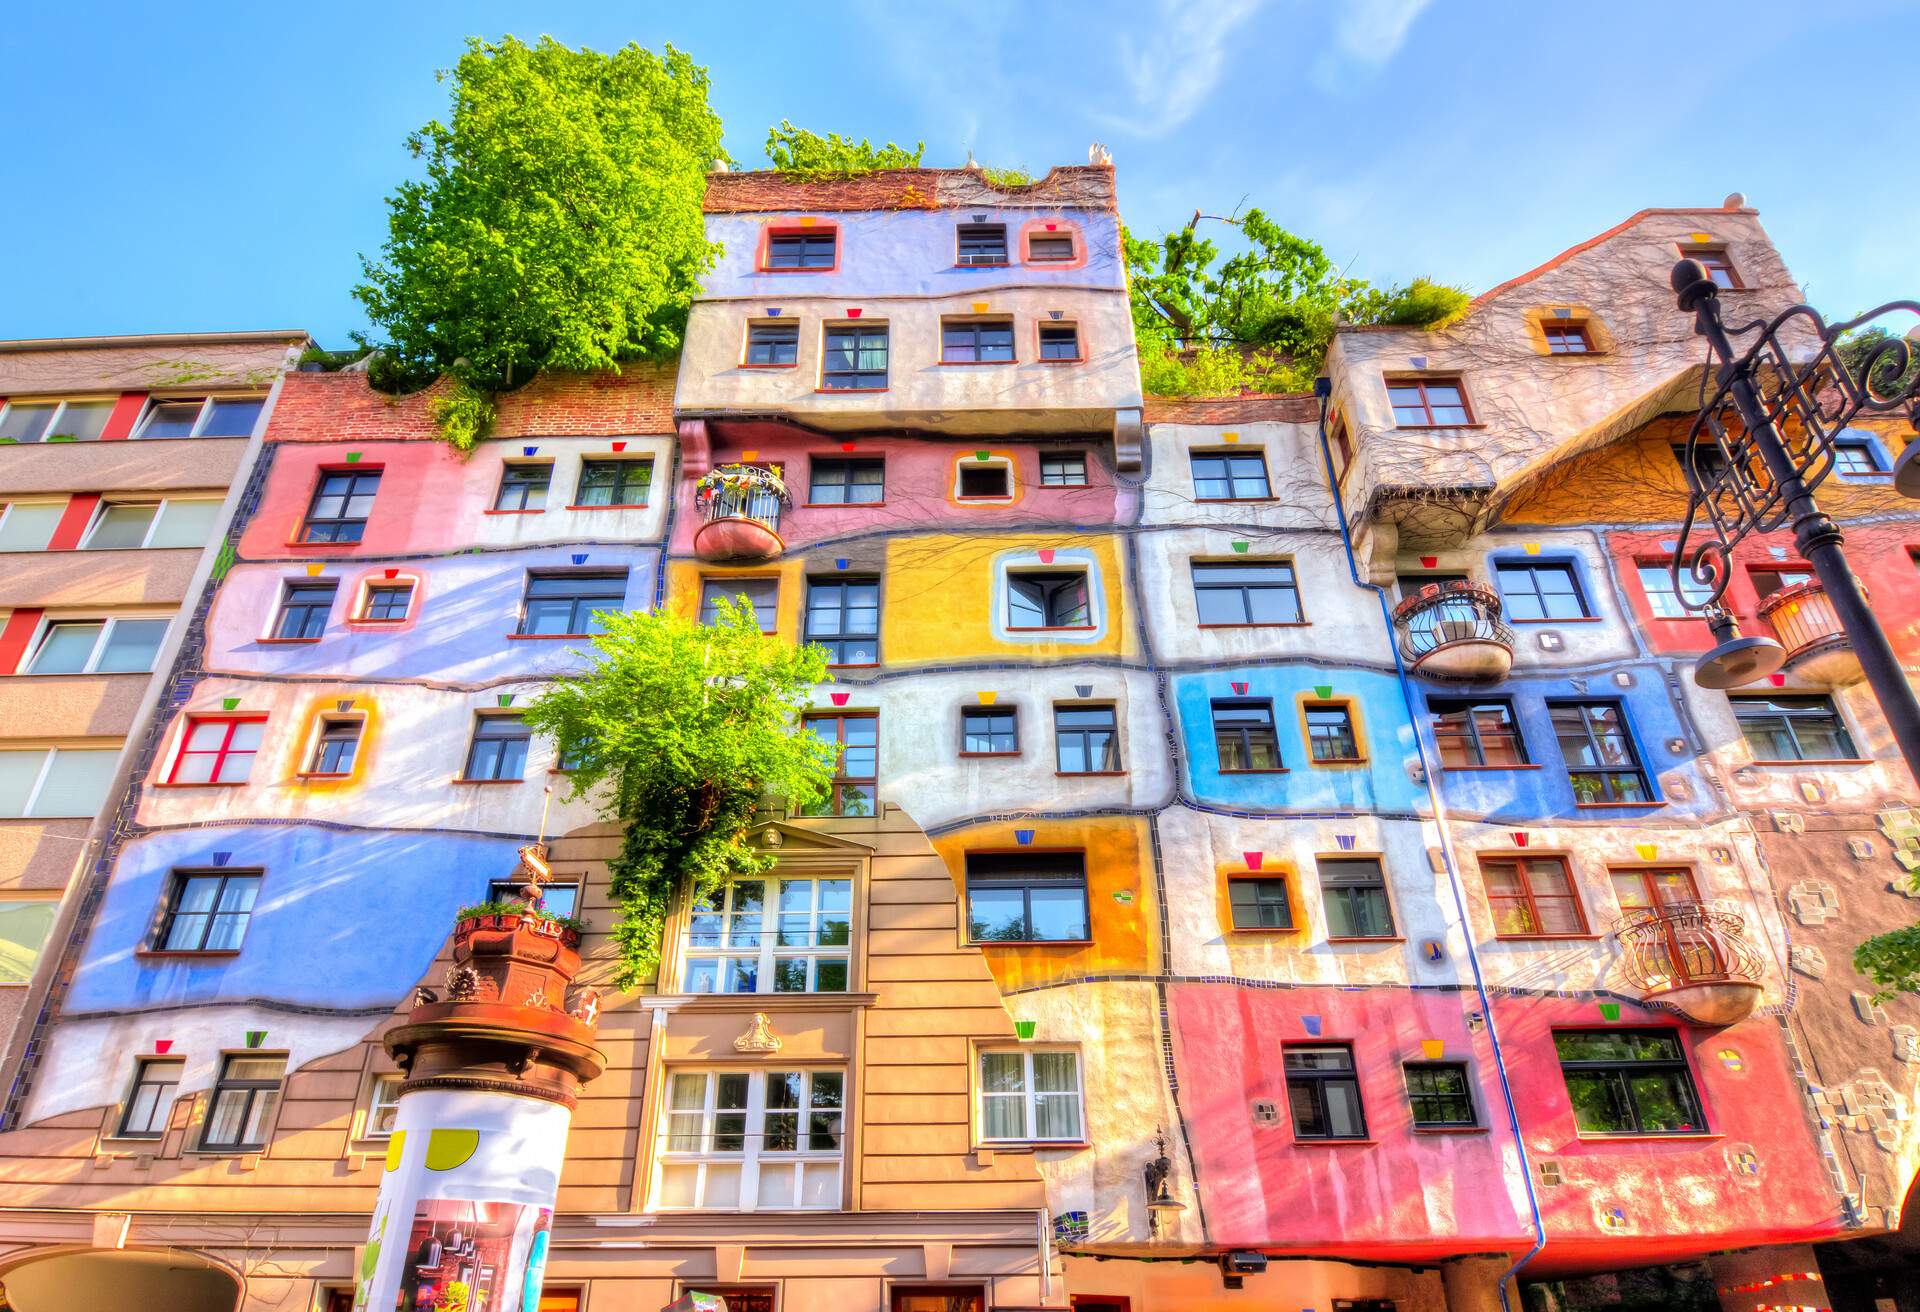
(206, 400)
(310, 750)
(159, 514)
(751, 1160)
(369, 1125)
(769, 951)
(48, 754)
(970, 461)
(59, 404)
(6, 513)
(1027, 1094)
(106, 623)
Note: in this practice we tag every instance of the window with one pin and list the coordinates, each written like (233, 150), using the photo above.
(1657, 582)
(1719, 268)
(1323, 1093)
(341, 503)
(1353, 891)
(66, 421)
(1330, 735)
(614, 483)
(1439, 1095)
(1601, 762)
(856, 359)
(1030, 1097)
(843, 615)
(771, 936)
(1428, 402)
(937, 1298)
(982, 243)
(762, 594)
(243, 1102)
(568, 604)
(855, 775)
(1628, 1082)
(560, 899)
(1643, 893)
(175, 522)
(1531, 896)
(801, 250)
(387, 601)
(217, 749)
(112, 646)
(155, 1081)
(337, 746)
(1766, 582)
(383, 1107)
(976, 341)
(1049, 601)
(46, 783)
(208, 910)
(1244, 735)
(25, 923)
(214, 416)
(989, 731)
(1049, 248)
(523, 486)
(1258, 592)
(1476, 733)
(498, 749)
(1856, 458)
(1342, 451)
(744, 1140)
(985, 482)
(1541, 592)
(1793, 729)
(1221, 476)
(1027, 897)
(1259, 902)
(1086, 740)
(1059, 341)
(304, 608)
(847, 483)
(773, 345)
(29, 525)
(1709, 461)
(1565, 338)
(1063, 469)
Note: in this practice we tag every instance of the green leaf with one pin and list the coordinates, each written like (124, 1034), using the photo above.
(803, 154)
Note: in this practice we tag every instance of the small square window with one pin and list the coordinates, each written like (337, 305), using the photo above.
(1856, 458)
(1440, 1095)
(1059, 341)
(337, 747)
(1244, 735)
(175, 418)
(1567, 338)
(387, 601)
(976, 341)
(1330, 734)
(801, 250)
(1086, 740)
(1542, 592)
(773, 344)
(1259, 902)
(985, 482)
(1428, 402)
(761, 593)
(982, 243)
(26, 422)
(1718, 264)
(498, 749)
(847, 483)
(989, 731)
(856, 776)
(1472, 733)
(1063, 469)
(624, 483)
(1025, 1096)
(523, 486)
(217, 750)
(1058, 600)
(1050, 248)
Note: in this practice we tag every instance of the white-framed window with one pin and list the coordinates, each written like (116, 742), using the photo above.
(383, 1106)
(26, 921)
(29, 525)
(751, 1141)
(200, 416)
(78, 420)
(771, 936)
(118, 644)
(174, 522)
(1030, 1095)
(53, 782)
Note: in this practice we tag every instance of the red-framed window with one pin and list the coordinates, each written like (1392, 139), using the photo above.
(217, 749)
(813, 249)
(1429, 402)
(1717, 263)
(1567, 338)
(1532, 896)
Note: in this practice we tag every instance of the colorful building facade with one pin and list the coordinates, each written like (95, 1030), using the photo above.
(1279, 856)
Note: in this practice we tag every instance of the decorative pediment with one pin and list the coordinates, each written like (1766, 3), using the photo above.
(758, 1036)
(781, 836)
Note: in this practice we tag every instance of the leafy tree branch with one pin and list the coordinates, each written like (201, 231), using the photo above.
(808, 155)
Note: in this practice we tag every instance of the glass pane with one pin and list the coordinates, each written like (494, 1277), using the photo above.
(19, 771)
(255, 1068)
(723, 1185)
(66, 648)
(171, 418)
(1596, 1107)
(1002, 1072)
(1343, 1109)
(790, 975)
(76, 783)
(24, 926)
(224, 1121)
(29, 527)
(830, 975)
(1002, 1117)
(703, 975)
(1059, 913)
(25, 423)
(1056, 1072)
(1056, 1116)
(689, 1092)
(131, 646)
(233, 417)
(995, 914)
(187, 523)
(83, 421)
(121, 526)
(776, 1184)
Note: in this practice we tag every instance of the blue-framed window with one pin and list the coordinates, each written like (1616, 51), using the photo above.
(1603, 763)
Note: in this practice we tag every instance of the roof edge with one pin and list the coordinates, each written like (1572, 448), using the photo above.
(1587, 245)
(156, 339)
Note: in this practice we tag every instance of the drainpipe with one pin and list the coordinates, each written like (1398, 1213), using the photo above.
(1323, 390)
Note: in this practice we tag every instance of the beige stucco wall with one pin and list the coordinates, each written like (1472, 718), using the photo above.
(150, 365)
(96, 578)
(63, 467)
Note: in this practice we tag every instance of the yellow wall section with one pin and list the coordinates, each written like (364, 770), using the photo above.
(686, 578)
(1120, 901)
(938, 596)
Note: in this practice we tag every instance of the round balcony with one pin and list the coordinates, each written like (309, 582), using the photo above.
(739, 507)
(1700, 962)
(1804, 621)
(1453, 631)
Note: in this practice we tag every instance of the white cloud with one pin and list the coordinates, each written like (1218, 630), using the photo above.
(1170, 71)
(1367, 34)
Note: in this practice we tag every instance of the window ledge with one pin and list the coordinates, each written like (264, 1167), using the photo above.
(1451, 1129)
(221, 954)
(975, 756)
(1836, 760)
(744, 365)
(1263, 929)
(284, 642)
(1029, 942)
(1365, 938)
(323, 774)
(1078, 359)
(1642, 1136)
(1611, 806)
(1029, 1145)
(210, 783)
(302, 542)
(1467, 769)
(1572, 619)
(545, 637)
(1298, 1142)
(459, 780)
(839, 505)
(1278, 770)
(1232, 501)
(972, 364)
(1052, 628)
(620, 505)
(843, 391)
(402, 619)
(1547, 938)
(514, 512)
(775, 1001)
(1433, 428)
(1089, 774)
(1338, 760)
(1276, 624)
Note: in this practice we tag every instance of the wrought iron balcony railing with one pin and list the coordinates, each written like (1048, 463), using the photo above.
(1453, 630)
(1701, 961)
(740, 507)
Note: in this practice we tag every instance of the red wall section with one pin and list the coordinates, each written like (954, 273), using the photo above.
(342, 408)
(424, 490)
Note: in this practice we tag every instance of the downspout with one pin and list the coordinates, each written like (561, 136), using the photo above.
(1323, 391)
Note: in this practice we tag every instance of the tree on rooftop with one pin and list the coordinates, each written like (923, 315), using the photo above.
(558, 225)
(803, 154)
(677, 731)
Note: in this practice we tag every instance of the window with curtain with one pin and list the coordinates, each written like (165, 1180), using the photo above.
(1030, 1096)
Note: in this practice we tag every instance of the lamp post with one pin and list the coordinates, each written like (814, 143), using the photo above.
(1771, 411)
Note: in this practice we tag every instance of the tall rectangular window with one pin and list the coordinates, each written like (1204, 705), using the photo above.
(1244, 735)
(1030, 1096)
(498, 749)
(976, 341)
(801, 250)
(383, 1106)
(989, 731)
(746, 1141)
(568, 603)
(208, 910)
(982, 243)
(843, 615)
(1628, 1082)
(110, 646)
(1251, 593)
(847, 483)
(856, 359)
(1664, 600)
(217, 750)
(1086, 740)
(1476, 732)
(1439, 1095)
(1601, 761)
(1429, 403)
(1548, 591)
(1229, 476)
(856, 775)
(337, 747)
(623, 483)
(523, 486)
(244, 1100)
(304, 608)
(1532, 897)
(773, 345)
(763, 594)
(1782, 728)
(342, 501)
(155, 1082)
(1027, 897)
(1259, 902)
(1323, 1092)
(1330, 735)
(771, 936)
(1353, 892)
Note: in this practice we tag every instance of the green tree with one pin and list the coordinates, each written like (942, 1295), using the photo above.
(677, 731)
(558, 225)
(1263, 318)
(805, 154)
(1871, 348)
(1891, 960)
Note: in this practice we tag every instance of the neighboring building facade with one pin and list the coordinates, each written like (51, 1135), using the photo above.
(1279, 858)
(119, 459)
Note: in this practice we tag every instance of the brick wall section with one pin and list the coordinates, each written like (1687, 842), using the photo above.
(149, 367)
(1281, 408)
(343, 408)
(1081, 186)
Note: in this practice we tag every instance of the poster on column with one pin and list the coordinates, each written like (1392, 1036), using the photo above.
(474, 1256)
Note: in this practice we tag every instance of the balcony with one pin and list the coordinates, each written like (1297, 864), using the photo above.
(1701, 962)
(1453, 630)
(1818, 649)
(739, 508)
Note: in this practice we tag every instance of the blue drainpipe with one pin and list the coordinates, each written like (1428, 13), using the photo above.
(1323, 389)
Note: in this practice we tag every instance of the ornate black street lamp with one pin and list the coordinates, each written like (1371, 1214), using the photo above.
(1762, 442)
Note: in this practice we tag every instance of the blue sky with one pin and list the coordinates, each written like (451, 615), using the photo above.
(213, 165)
